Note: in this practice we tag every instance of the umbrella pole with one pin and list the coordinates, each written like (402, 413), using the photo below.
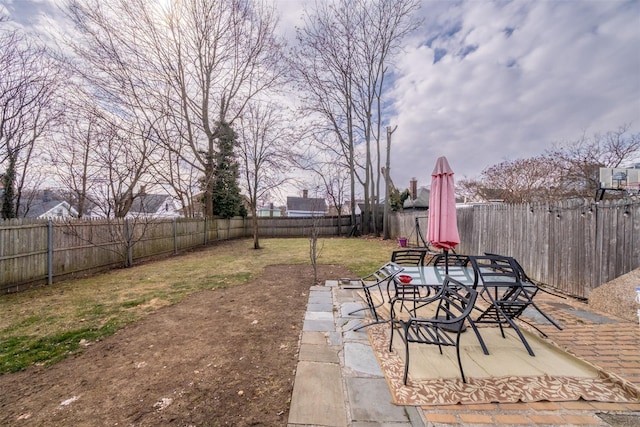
(446, 261)
(453, 327)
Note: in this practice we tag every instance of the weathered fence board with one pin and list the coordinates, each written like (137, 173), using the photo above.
(301, 227)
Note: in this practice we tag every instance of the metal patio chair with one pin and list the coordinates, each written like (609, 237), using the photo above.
(528, 281)
(373, 284)
(453, 303)
(407, 258)
(505, 295)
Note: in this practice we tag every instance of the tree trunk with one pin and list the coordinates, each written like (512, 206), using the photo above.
(254, 221)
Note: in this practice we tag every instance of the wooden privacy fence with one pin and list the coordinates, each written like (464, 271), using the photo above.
(301, 227)
(574, 246)
(37, 251)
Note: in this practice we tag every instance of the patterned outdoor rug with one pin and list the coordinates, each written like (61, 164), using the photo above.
(508, 374)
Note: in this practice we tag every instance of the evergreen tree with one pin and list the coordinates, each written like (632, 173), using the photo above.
(227, 200)
(8, 194)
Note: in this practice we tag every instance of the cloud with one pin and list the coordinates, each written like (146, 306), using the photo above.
(514, 78)
(42, 18)
(484, 81)
(291, 14)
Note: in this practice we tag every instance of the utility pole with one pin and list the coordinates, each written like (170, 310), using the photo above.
(387, 180)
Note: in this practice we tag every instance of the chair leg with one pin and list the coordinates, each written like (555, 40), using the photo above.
(356, 311)
(369, 303)
(521, 335)
(500, 325)
(391, 339)
(546, 316)
(371, 306)
(377, 322)
(534, 327)
(480, 340)
(406, 353)
(464, 380)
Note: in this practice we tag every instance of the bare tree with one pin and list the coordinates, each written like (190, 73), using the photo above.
(123, 154)
(29, 109)
(177, 176)
(198, 61)
(315, 250)
(333, 175)
(570, 169)
(345, 49)
(515, 181)
(579, 161)
(106, 161)
(267, 153)
(71, 153)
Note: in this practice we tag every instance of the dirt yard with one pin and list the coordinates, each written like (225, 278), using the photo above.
(224, 357)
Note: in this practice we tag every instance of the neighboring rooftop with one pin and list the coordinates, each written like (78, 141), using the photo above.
(154, 205)
(306, 206)
(421, 200)
(45, 204)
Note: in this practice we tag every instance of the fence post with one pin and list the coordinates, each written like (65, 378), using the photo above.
(206, 230)
(175, 235)
(128, 237)
(49, 252)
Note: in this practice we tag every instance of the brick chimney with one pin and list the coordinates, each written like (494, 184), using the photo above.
(305, 194)
(413, 188)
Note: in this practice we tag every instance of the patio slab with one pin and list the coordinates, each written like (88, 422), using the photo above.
(318, 325)
(370, 401)
(318, 353)
(318, 397)
(360, 359)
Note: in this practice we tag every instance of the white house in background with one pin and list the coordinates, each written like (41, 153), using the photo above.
(45, 204)
(154, 206)
(269, 211)
(306, 206)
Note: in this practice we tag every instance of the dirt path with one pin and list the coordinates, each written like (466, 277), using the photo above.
(225, 357)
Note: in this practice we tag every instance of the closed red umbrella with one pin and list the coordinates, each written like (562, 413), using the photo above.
(442, 231)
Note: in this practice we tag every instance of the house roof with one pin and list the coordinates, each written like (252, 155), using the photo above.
(149, 203)
(378, 206)
(306, 204)
(420, 202)
(40, 202)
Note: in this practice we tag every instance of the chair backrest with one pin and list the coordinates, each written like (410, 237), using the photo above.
(500, 278)
(384, 274)
(456, 300)
(526, 280)
(521, 272)
(496, 269)
(414, 257)
(450, 259)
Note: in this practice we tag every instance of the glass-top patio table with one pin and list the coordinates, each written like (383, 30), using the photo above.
(433, 276)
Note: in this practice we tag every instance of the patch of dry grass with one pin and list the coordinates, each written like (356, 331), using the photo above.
(43, 325)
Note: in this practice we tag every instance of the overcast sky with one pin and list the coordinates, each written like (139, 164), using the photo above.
(484, 81)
